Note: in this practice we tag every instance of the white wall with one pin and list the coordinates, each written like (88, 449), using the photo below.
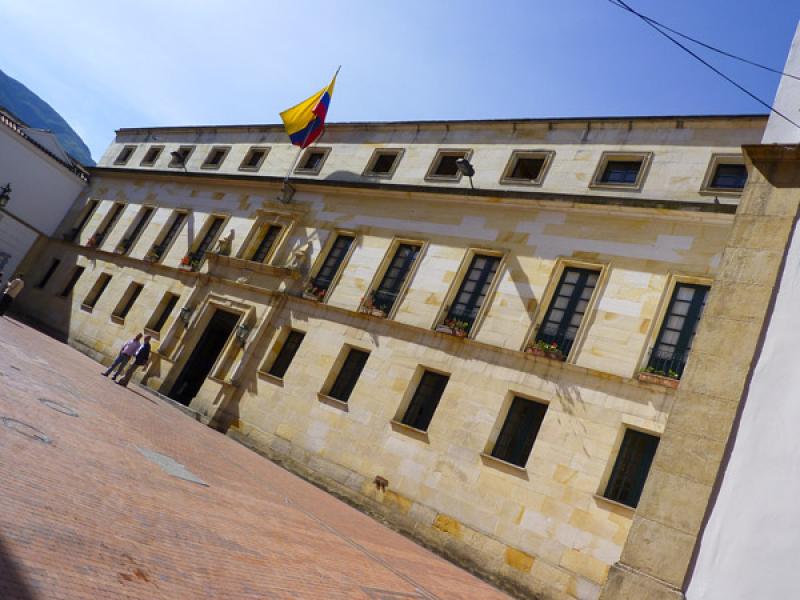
(787, 101)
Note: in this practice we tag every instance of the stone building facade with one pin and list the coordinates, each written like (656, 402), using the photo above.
(490, 368)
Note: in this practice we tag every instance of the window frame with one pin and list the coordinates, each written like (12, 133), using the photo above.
(325, 150)
(645, 158)
(431, 175)
(162, 235)
(319, 263)
(408, 400)
(149, 163)
(74, 277)
(200, 238)
(376, 154)
(174, 164)
(260, 226)
(277, 351)
(384, 266)
(714, 163)
(124, 161)
(96, 292)
(615, 457)
(546, 155)
(140, 222)
(337, 371)
(48, 274)
(161, 311)
(250, 150)
(215, 166)
(108, 222)
(126, 302)
(500, 426)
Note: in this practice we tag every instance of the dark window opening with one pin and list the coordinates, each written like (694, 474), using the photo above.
(73, 279)
(125, 155)
(425, 400)
(527, 169)
(97, 290)
(348, 375)
(332, 263)
(565, 313)
(631, 467)
(473, 290)
(151, 156)
(130, 299)
(114, 214)
(446, 165)
(208, 239)
(88, 211)
(266, 243)
(677, 332)
(253, 158)
(144, 216)
(182, 156)
(286, 354)
(729, 177)
(519, 431)
(312, 161)
(624, 172)
(167, 305)
(158, 250)
(215, 157)
(384, 163)
(49, 273)
(385, 295)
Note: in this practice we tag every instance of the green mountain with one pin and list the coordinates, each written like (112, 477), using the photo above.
(38, 114)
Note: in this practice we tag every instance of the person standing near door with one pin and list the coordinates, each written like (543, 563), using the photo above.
(13, 288)
(139, 360)
(129, 348)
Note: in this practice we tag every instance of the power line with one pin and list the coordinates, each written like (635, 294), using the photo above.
(622, 4)
(703, 44)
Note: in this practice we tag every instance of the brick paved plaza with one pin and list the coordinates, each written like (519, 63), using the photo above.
(95, 504)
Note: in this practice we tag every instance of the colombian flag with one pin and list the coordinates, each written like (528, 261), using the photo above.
(305, 122)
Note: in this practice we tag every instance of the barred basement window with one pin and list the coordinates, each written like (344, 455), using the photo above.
(631, 467)
(253, 159)
(677, 332)
(215, 157)
(151, 156)
(264, 248)
(97, 290)
(519, 431)
(290, 347)
(124, 155)
(565, 313)
(473, 290)
(387, 292)
(162, 312)
(49, 273)
(729, 177)
(141, 220)
(348, 375)
(73, 279)
(383, 163)
(425, 400)
(333, 262)
(128, 299)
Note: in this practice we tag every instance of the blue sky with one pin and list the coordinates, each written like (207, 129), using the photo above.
(105, 65)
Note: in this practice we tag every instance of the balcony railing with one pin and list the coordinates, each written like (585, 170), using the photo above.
(457, 323)
(559, 345)
(668, 364)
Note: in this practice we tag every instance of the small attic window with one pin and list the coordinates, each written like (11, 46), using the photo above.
(125, 155)
(151, 156)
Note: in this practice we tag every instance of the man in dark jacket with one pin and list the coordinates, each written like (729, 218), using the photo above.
(139, 360)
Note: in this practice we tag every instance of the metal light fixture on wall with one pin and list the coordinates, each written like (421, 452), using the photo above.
(242, 333)
(186, 314)
(5, 195)
(465, 168)
(179, 158)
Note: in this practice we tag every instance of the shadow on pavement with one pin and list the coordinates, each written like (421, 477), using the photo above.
(13, 585)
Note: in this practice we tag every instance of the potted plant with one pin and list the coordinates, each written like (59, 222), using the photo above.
(667, 378)
(368, 306)
(545, 349)
(456, 327)
(312, 292)
(94, 241)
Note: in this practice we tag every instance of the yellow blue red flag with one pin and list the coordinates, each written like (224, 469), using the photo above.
(305, 122)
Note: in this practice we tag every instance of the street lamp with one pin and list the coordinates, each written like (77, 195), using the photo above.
(466, 168)
(5, 195)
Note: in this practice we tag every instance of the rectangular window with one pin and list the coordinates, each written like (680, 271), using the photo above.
(141, 220)
(444, 165)
(264, 248)
(332, 264)
(181, 156)
(73, 279)
(127, 301)
(49, 273)
(87, 213)
(631, 467)
(162, 312)
(97, 290)
(348, 375)
(286, 354)
(519, 431)
(565, 313)
(158, 250)
(383, 163)
(621, 172)
(151, 156)
(677, 332)
(312, 161)
(387, 292)
(124, 155)
(425, 400)
(729, 177)
(211, 234)
(253, 159)
(215, 157)
(107, 225)
(472, 292)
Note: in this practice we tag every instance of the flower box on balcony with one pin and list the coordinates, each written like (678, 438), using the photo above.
(311, 292)
(452, 327)
(545, 350)
(658, 379)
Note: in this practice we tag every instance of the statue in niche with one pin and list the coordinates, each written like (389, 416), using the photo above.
(299, 257)
(225, 245)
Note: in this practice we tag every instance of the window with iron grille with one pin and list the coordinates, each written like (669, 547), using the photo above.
(425, 400)
(348, 374)
(125, 155)
(385, 295)
(631, 467)
(267, 242)
(253, 159)
(49, 273)
(164, 310)
(729, 177)
(286, 354)
(141, 220)
(73, 279)
(677, 332)
(97, 290)
(621, 172)
(211, 234)
(333, 262)
(519, 431)
(128, 300)
(565, 313)
(151, 156)
(473, 290)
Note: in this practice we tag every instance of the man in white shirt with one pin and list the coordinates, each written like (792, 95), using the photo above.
(13, 288)
(129, 348)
